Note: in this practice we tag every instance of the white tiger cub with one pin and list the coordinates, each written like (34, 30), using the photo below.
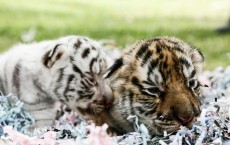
(48, 74)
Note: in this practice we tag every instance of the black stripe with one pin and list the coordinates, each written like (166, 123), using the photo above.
(158, 48)
(197, 85)
(2, 87)
(76, 69)
(153, 110)
(178, 49)
(47, 56)
(149, 82)
(71, 59)
(146, 57)
(16, 79)
(40, 89)
(185, 62)
(78, 44)
(166, 60)
(161, 56)
(70, 79)
(61, 74)
(193, 74)
(142, 50)
(148, 94)
(71, 90)
(86, 40)
(131, 102)
(136, 82)
(117, 64)
(165, 65)
(60, 78)
(56, 91)
(177, 45)
(85, 95)
(91, 64)
(85, 86)
(173, 42)
(54, 50)
(89, 81)
(177, 64)
(200, 54)
(152, 65)
(85, 53)
(163, 68)
(47, 99)
(46, 59)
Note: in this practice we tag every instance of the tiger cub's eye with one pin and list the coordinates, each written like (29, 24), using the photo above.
(193, 83)
(152, 91)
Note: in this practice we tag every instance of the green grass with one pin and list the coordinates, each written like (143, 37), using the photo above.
(124, 21)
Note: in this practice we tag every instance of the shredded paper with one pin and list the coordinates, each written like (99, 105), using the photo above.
(212, 127)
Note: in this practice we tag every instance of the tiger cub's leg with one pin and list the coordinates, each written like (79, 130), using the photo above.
(44, 114)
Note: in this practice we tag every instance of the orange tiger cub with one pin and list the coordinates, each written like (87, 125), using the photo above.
(156, 80)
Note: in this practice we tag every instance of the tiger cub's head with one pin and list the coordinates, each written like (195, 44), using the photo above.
(156, 80)
(76, 65)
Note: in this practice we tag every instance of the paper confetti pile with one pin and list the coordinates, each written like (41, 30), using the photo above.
(212, 127)
(12, 114)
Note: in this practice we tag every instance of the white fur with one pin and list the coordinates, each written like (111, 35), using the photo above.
(30, 60)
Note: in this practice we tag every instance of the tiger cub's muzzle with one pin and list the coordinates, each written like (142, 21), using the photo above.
(182, 109)
(104, 95)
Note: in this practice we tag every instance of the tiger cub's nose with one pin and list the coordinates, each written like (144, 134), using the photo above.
(184, 119)
(108, 96)
(105, 95)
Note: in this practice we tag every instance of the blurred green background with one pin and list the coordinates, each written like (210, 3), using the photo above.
(124, 21)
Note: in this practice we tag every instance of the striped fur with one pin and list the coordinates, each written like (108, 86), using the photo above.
(156, 80)
(49, 74)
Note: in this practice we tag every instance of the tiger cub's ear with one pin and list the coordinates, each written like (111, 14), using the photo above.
(116, 65)
(53, 55)
(197, 59)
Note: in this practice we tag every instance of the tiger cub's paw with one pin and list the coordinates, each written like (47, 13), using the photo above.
(97, 107)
